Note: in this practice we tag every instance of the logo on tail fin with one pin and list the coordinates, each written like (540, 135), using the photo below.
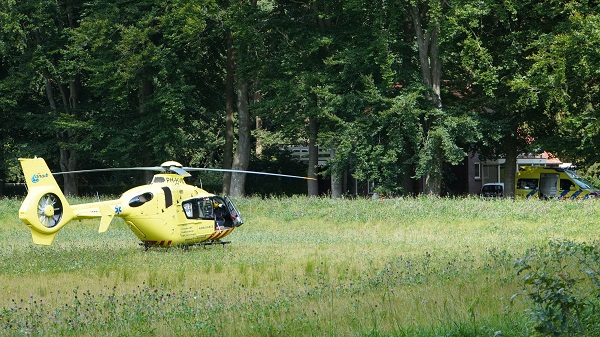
(36, 177)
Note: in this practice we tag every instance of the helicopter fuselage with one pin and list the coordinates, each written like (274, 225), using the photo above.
(166, 212)
(170, 212)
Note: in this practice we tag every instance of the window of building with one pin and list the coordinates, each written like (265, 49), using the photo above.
(477, 169)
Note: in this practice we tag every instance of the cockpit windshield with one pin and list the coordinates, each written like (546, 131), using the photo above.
(581, 182)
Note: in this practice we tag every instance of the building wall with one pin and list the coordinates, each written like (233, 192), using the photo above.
(474, 174)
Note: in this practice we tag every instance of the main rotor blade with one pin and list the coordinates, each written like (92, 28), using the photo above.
(244, 171)
(181, 171)
(155, 168)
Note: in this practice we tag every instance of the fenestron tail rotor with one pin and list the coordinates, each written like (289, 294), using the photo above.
(45, 209)
(49, 210)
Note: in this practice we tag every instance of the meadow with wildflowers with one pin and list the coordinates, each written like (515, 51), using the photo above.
(298, 266)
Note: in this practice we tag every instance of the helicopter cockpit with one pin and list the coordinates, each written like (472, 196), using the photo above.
(212, 208)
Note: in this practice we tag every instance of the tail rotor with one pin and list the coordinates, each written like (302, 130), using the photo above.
(50, 210)
(45, 210)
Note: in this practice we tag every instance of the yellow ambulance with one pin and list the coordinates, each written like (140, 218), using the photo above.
(552, 183)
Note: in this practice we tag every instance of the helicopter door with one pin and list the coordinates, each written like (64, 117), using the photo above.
(235, 215)
(220, 213)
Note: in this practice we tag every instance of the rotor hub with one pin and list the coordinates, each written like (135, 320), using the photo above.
(49, 210)
(171, 163)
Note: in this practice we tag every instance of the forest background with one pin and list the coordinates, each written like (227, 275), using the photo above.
(397, 90)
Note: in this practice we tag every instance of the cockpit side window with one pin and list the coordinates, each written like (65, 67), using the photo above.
(198, 208)
(190, 208)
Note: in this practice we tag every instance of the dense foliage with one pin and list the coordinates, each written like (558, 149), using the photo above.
(562, 281)
(396, 89)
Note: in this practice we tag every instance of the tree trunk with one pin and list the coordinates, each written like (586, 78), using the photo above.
(229, 113)
(2, 170)
(429, 59)
(257, 97)
(337, 185)
(146, 90)
(259, 145)
(68, 161)
(242, 153)
(241, 158)
(432, 181)
(408, 187)
(67, 157)
(510, 170)
(431, 72)
(313, 157)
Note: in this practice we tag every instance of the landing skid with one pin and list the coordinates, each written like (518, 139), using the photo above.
(207, 243)
(210, 243)
(186, 247)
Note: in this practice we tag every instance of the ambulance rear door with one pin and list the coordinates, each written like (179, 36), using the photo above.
(549, 185)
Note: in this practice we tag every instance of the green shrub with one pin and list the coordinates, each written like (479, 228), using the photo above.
(562, 280)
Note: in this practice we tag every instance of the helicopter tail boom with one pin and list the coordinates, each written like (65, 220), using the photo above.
(45, 210)
(103, 210)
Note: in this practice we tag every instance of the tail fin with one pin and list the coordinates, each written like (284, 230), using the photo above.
(45, 210)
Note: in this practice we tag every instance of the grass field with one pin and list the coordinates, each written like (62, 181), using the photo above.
(297, 267)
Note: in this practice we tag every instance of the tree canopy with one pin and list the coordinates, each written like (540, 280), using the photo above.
(396, 90)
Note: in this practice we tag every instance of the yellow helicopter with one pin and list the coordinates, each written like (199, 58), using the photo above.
(167, 212)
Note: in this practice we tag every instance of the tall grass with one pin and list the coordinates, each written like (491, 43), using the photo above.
(298, 266)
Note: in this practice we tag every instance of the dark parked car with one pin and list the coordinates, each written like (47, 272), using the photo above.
(492, 190)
